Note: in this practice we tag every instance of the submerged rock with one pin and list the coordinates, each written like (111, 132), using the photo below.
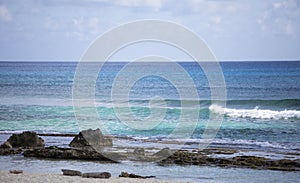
(71, 172)
(99, 175)
(90, 138)
(131, 175)
(24, 140)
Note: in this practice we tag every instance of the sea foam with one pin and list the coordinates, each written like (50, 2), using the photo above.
(255, 113)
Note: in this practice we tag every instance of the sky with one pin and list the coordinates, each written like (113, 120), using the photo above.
(61, 30)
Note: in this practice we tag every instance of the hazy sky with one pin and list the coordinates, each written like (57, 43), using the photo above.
(233, 29)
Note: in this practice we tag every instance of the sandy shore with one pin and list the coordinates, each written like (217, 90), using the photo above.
(6, 177)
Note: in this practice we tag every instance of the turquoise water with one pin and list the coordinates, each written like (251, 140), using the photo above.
(262, 111)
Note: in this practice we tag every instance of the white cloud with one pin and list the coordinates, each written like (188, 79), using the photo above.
(4, 14)
(280, 18)
(277, 5)
(156, 4)
(85, 27)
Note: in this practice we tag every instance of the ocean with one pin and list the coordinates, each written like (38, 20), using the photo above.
(262, 110)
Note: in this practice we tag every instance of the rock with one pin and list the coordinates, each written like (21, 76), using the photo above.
(65, 153)
(163, 153)
(90, 138)
(99, 175)
(282, 168)
(187, 158)
(131, 175)
(6, 145)
(6, 151)
(25, 140)
(16, 171)
(71, 172)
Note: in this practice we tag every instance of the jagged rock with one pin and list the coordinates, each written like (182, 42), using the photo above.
(6, 145)
(16, 171)
(25, 140)
(71, 172)
(131, 175)
(163, 153)
(90, 138)
(65, 153)
(100, 175)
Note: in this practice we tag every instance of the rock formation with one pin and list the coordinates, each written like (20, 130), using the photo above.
(71, 172)
(90, 138)
(65, 153)
(99, 175)
(24, 140)
(131, 175)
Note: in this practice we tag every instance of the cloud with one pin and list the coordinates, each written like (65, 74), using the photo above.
(237, 24)
(4, 14)
(280, 18)
(156, 4)
(85, 28)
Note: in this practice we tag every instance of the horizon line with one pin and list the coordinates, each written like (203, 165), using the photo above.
(225, 60)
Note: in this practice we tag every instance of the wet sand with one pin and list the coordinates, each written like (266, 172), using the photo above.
(6, 177)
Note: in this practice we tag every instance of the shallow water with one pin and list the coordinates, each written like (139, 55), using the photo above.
(186, 173)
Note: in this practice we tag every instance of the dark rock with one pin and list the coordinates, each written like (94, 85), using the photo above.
(90, 138)
(282, 168)
(100, 175)
(131, 175)
(26, 140)
(6, 145)
(288, 163)
(6, 151)
(65, 153)
(192, 158)
(163, 153)
(16, 171)
(71, 172)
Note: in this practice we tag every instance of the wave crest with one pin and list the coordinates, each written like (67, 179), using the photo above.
(256, 113)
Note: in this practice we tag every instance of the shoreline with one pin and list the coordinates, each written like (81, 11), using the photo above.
(158, 152)
(52, 159)
(45, 178)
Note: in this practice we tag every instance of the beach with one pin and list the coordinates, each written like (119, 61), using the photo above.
(36, 167)
(6, 177)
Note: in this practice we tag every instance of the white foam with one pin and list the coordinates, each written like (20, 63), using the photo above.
(251, 143)
(255, 113)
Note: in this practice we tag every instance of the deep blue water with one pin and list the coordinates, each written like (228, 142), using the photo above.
(263, 100)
